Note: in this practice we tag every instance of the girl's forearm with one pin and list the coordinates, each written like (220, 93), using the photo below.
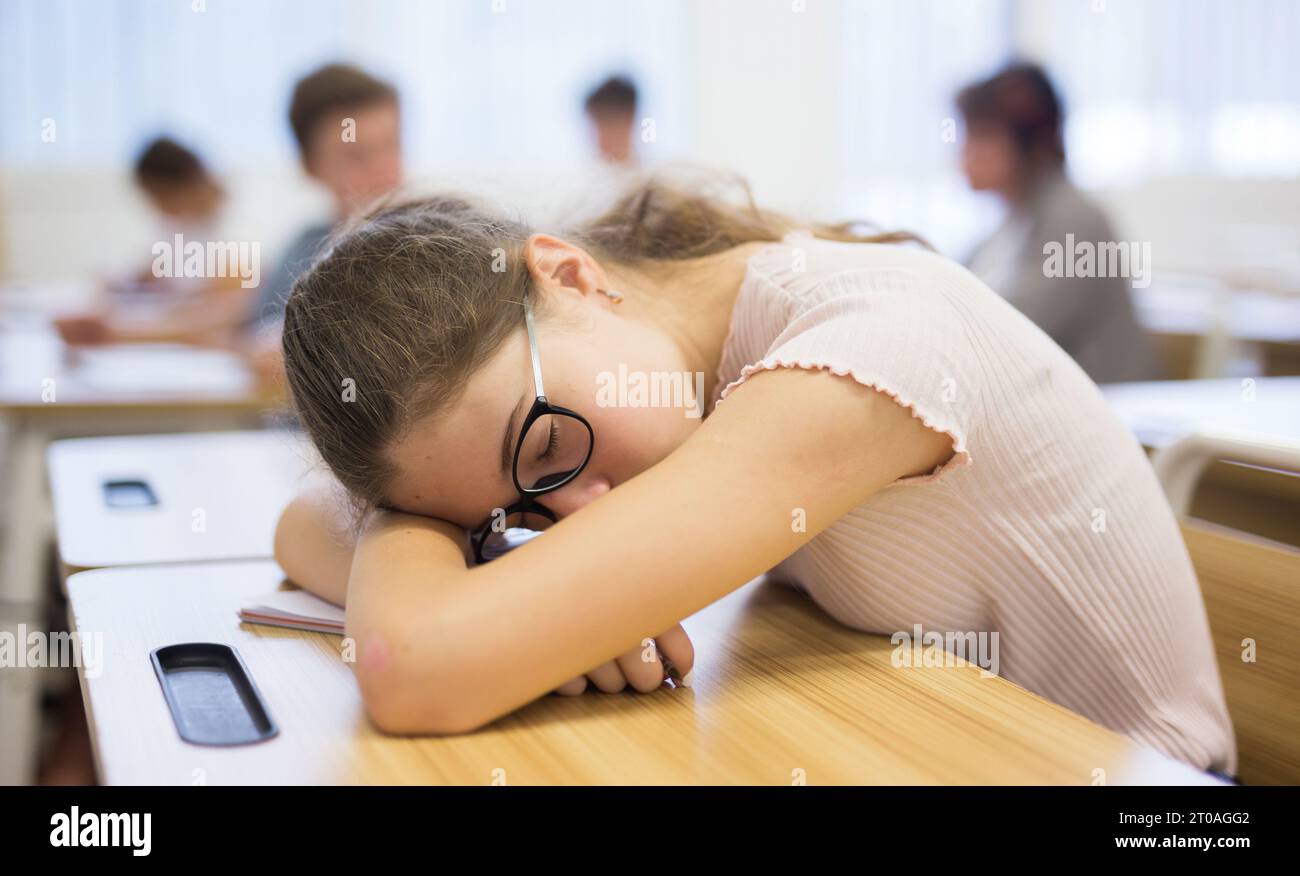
(389, 580)
(407, 586)
(443, 648)
(314, 544)
(446, 649)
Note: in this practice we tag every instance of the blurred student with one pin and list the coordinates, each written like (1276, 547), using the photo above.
(187, 200)
(611, 110)
(179, 186)
(347, 125)
(1014, 148)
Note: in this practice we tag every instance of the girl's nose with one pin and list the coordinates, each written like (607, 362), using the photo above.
(571, 497)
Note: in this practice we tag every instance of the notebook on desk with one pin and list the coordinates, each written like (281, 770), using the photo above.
(299, 610)
(295, 609)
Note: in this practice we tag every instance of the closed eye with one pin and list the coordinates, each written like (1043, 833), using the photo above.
(552, 442)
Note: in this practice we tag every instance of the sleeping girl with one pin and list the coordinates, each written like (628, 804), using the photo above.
(880, 430)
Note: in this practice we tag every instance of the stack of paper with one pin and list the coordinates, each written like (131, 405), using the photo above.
(296, 609)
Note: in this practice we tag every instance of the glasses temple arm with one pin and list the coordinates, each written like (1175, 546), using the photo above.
(532, 345)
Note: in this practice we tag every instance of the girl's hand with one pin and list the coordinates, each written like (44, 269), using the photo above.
(641, 667)
(87, 329)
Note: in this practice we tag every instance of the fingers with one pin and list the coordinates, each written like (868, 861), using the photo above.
(642, 667)
(608, 677)
(675, 646)
(573, 688)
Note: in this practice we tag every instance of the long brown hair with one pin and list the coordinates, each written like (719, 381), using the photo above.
(390, 323)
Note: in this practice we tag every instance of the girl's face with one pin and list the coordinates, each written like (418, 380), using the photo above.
(451, 465)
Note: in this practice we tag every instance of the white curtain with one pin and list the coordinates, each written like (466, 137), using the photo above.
(1173, 87)
(484, 82)
(902, 62)
(1151, 88)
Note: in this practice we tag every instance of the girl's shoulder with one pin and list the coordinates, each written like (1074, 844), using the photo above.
(899, 313)
(803, 266)
(864, 311)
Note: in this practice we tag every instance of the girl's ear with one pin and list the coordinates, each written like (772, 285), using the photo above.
(557, 265)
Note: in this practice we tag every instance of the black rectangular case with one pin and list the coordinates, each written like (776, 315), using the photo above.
(211, 695)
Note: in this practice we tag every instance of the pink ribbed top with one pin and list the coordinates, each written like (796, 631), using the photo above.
(1047, 526)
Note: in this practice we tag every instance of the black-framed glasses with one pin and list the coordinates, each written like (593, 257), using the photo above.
(553, 447)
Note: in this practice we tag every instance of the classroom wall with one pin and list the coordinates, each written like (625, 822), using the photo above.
(1246, 231)
(62, 224)
(790, 149)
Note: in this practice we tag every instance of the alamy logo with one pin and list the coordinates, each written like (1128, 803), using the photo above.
(652, 389)
(1110, 258)
(215, 258)
(77, 828)
(38, 649)
(937, 649)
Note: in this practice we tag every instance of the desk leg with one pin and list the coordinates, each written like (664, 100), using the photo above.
(28, 521)
(20, 702)
(26, 532)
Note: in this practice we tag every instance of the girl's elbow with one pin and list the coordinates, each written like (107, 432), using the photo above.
(406, 700)
(398, 716)
(397, 713)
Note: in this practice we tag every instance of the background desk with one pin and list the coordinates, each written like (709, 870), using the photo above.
(1242, 497)
(781, 691)
(48, 392)
(1162, 411)
(104, 392)
(219, 496)
(1202, 325)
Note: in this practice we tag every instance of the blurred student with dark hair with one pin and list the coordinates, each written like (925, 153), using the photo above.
(611, 109)
(347, 125)
(187, 200)
(348, 128)
(1014, 148)
(177, 183)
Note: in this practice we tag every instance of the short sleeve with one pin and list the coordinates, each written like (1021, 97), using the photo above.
(887, 331)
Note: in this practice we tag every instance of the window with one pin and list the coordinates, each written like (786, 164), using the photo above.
(902, 63)
(483, 82)
(1172, 87)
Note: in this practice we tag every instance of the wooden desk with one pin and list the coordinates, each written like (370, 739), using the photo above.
(39, 373)
(1247, 498)
(1162, 411)
(1202, 306)
(218, 494)
(781, 692)
(1202, 323)
(46, 392)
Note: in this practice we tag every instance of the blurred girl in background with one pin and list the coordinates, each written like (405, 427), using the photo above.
(1014, 148)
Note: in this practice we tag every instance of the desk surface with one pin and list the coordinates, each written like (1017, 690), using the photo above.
(40, 374)
(218, 494)
(1162, 411)
(1197, 307)
(781, 691)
